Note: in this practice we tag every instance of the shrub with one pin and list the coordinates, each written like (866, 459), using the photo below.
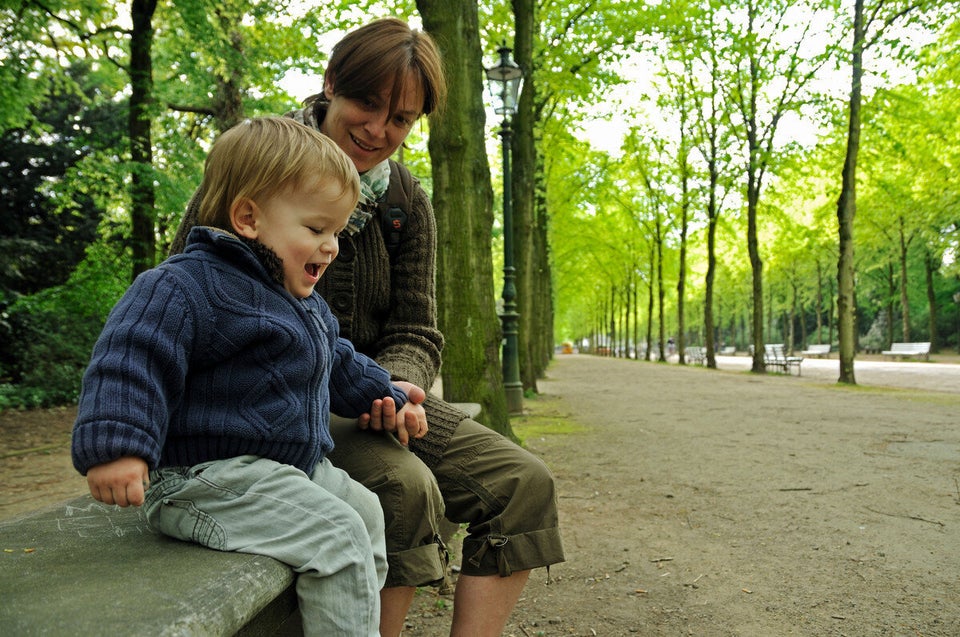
(53, 331)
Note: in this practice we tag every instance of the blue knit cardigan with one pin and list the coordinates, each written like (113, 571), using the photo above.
(207, 357)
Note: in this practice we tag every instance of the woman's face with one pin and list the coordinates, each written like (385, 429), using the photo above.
(365, 128)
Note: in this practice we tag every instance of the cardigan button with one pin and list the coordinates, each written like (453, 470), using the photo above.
(341, 302)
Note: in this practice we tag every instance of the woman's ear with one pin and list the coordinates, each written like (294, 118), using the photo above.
(244, 217)
(328, 87)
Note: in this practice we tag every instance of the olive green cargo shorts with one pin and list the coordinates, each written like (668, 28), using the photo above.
(503, 493)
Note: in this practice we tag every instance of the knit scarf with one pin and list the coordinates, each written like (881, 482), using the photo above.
(373, 185)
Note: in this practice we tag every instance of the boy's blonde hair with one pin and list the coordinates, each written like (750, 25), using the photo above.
(259, 158)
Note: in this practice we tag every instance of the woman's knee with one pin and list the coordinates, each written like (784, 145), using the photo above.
(411, 500)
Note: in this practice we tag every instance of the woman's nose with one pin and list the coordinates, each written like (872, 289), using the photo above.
(376, 125)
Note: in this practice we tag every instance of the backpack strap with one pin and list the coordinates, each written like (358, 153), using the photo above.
(395, 207)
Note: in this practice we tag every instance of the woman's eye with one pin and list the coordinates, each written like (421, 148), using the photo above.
(403, 122)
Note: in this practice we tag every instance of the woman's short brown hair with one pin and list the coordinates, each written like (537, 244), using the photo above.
(260, 158)
(381, 53)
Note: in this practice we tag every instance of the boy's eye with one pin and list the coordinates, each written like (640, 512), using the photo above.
(315, 230)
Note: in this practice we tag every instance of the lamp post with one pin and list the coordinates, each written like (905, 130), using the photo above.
(504, 80)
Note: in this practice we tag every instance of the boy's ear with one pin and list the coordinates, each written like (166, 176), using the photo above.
(244, 217)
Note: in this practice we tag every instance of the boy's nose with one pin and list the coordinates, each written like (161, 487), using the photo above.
(331, 248)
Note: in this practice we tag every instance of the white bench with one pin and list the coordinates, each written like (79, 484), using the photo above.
(819, 350)
(907, 350)
(774, 355)
(695, 355)
(729, 350)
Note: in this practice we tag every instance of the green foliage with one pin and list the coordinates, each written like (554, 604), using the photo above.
(56, 183)
(55, 330)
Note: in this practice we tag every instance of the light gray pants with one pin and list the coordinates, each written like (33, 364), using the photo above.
(327, 527)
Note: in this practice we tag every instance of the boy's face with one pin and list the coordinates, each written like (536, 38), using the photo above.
(302, 226)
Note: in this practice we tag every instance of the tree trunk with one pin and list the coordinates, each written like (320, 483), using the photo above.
(713, 214)
(463, 204)
(830, 313)
(652, 260)
(756, 264)
(612, 343)
(711, 275)
(791, 318)
(904, 298)
(228, 100)
(891, 295)
(543, 276)
(820, 303)
(661, 292)
(804, 337)
(682, 273)
(636, 310)
(846, 211)
(930, 267)
(524, 212)
(753, 245)
(142, 195)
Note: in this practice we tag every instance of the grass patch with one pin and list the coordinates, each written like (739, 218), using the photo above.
(542, 416)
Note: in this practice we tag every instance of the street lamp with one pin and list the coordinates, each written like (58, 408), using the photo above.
(504, 81)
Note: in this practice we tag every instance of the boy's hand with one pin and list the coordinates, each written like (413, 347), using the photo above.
(122, 481)
(410, 421)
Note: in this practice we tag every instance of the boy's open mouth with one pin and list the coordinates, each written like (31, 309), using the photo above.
(313, 269)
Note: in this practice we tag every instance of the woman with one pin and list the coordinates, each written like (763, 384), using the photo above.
(380, 80)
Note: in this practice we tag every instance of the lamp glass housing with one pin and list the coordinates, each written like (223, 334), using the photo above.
(504, 82)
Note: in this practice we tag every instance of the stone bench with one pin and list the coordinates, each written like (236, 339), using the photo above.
(86, 568)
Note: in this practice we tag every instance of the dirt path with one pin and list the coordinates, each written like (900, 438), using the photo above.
(701, 502)
(721, 503)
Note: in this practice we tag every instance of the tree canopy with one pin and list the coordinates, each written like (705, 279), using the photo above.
(676, 166)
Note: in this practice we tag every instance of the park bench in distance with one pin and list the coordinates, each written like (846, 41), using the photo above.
(908, 350)
(87, 568)
(729, 350)
(819, 350)
(696, 355)
(775, 356)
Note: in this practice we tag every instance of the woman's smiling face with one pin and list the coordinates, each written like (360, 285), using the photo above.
(366, 128)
